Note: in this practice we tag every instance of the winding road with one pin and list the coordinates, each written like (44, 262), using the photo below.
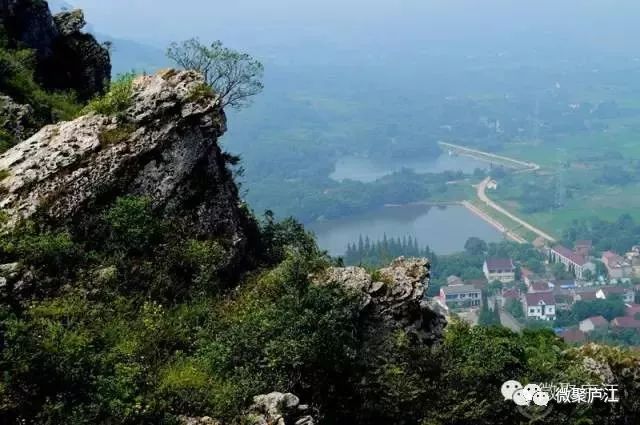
(481, 190)
(482, 195)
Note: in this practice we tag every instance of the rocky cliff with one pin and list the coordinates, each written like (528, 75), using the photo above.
(67, 58)
(393, 298)
(163, 147)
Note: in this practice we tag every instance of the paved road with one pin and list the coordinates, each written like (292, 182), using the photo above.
(508, 321)
(529, 166)
(495, 223)
(482, 195)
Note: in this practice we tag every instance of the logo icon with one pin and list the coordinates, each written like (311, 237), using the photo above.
(508, 388)
(530, 400)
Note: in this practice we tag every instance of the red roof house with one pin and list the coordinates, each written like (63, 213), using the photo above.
(573, 336)
(625, 322)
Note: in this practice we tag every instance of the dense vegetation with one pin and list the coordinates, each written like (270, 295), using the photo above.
(317, 196)
(137, 324)
(619, 235)
(17, 69)
(383, 251)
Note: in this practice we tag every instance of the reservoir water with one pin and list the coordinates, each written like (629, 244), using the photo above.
(444, 229)
(368, 170)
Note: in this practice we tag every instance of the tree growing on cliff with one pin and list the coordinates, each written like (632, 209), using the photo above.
(235, 76)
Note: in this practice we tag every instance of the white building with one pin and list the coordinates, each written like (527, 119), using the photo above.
(540, 306)
(626, 294)
(593, 323)
(460, 296)
(572, 261)
(500, 269)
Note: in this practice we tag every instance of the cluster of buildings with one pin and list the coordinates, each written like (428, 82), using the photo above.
(544, 298)
(578, 261)
(599, 323)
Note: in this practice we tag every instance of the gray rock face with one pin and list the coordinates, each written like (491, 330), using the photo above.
(166, 151)
(66, 58)
(279, 409)
(267, 409)
(70, 22)
(15, 118)
(395, 299)
(29, 22)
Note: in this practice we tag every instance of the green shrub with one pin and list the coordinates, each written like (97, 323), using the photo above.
(117, 100)
(116, 135)
(17, 81)
(132, 225)
(201, 92)
(52, 251)
(4, 174)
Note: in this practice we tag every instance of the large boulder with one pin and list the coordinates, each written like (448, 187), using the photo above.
(393, 297)
(267, 409)
(163, 147)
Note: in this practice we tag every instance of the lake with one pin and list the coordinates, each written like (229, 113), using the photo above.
(444, 229)
(367, 170)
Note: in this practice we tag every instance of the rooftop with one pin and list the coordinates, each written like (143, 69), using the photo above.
(597, 321)
(626, 322)
(458, 289)
(511, 293)
(542, 297)
(499, 264)
(587, 296)
(569, 254)
(613, 290)
(632, 309)
(540, 286)
(573, 335)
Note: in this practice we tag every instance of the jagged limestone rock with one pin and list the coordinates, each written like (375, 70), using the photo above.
(395, 300)
(70, 22)
(165, 150)
(16, 119)
(267, 409)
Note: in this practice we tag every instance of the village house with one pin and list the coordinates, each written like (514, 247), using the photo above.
(572, 261)
(460, 296)
(509, 294)
(584, 294)
(480, 284)
(540, 306)
(563, 298)
(539, 286)
(574, 336)
(592, 323)
(625, 322)
(617, 266)
(626, 294)
(631, 310)
(500, 269)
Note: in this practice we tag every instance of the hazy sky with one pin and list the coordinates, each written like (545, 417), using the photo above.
(604, 23)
